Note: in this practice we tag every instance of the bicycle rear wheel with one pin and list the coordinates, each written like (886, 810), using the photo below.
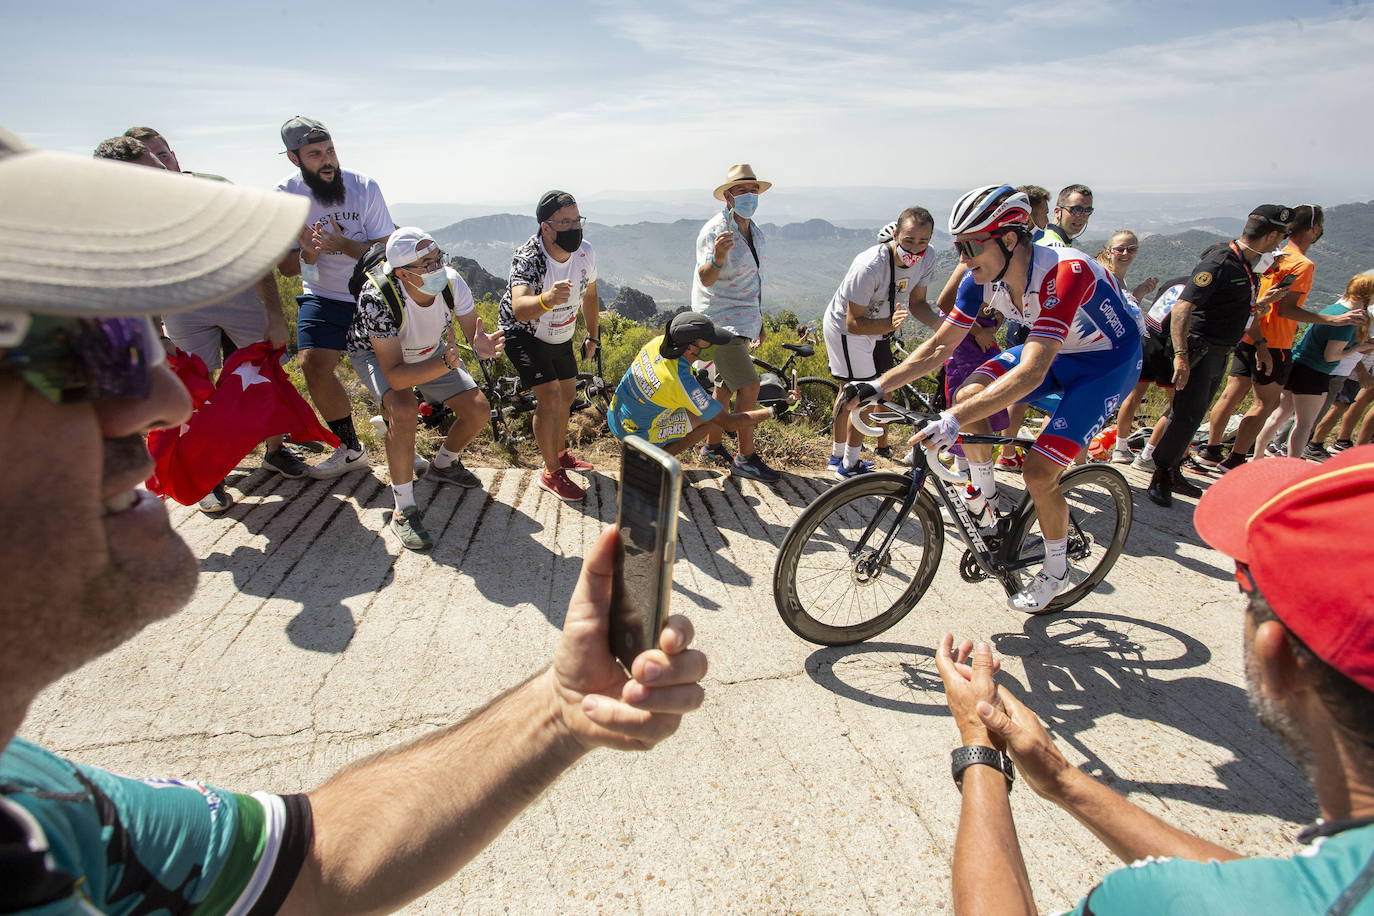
(831, 591)
(1100, 513)
(817, 405)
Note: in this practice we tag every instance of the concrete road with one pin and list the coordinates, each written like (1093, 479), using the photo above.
(813, 781)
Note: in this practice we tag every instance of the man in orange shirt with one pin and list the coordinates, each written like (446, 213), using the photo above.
(1265, 354)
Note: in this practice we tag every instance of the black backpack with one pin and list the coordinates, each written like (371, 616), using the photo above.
(371, 266)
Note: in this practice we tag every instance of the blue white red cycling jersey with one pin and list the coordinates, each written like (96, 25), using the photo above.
(1069, 297)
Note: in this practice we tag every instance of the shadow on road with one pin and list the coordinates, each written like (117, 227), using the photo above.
(1082, 667)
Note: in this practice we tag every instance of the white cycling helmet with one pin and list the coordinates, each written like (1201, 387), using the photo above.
(888, 232)
(988, 209)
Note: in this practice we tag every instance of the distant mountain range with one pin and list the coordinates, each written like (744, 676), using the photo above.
(806, 260)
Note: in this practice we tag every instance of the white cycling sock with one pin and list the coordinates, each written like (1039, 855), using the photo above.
(1056, 557)
(443, 458)
(1147, 452)
(837, 449)
(404, 494)
(981, 475)
(961, 463)
(851, 455)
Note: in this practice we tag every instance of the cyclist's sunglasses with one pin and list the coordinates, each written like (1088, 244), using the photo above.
(971, 247)
(74, 360)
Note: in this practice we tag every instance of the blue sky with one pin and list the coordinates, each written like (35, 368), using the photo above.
(497, 102)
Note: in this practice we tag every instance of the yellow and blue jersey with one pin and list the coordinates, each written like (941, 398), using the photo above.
(658, 397)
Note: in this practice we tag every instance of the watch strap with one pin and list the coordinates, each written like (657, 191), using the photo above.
(961, 758)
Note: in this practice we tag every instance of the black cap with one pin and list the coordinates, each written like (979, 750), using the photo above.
(688, 327)
(1277, 214)
(551, 202)
(301, 130)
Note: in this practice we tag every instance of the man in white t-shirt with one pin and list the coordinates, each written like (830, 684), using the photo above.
(884, 285)
(552, 279)
(347, 215)
(401, 338)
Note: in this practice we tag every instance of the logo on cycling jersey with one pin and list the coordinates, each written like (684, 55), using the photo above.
(1059, 423)
(1076, 267)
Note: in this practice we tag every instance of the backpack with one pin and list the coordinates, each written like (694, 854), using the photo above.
(372, 266)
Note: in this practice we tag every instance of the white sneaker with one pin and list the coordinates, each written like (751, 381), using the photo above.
(341, 462)
(909, 458)
(1122, 456)
(1142, 463)
(1042, 590)
(421, 465)
(217, 500)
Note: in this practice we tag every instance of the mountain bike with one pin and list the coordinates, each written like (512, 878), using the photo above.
(509, 398)
(860, 557)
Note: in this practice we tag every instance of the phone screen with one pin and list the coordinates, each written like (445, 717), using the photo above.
(1288, 281)
(646, 517)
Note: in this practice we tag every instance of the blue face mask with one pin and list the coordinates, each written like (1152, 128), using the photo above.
(433, 283)
(745, 205)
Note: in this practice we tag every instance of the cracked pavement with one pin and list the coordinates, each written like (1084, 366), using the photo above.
(814, 780)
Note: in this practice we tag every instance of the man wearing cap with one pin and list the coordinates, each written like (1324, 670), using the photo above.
(552, 280)
(79, 387)
(660, 398)
(1299, 537)
(347, 216)
(245, 318)
(727, 288)
(1204, 326)
(401, 338)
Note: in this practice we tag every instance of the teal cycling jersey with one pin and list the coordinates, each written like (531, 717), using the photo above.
(1333, 875)
(78, 839)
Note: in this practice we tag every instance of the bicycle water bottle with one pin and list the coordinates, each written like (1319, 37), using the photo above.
(979, 508)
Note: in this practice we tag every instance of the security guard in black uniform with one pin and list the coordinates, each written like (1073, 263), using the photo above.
(1205, 325)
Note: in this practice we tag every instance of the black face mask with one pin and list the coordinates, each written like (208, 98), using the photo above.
(569, 239)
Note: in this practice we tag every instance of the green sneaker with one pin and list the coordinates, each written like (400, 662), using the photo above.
(455, 473)
(405, 524)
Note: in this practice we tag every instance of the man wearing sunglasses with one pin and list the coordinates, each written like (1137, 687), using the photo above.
(90, 563)
(1084, 345)
(1072, 210)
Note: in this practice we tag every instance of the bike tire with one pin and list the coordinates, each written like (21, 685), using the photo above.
(818, 588)
(1100, 515)
(817, 405)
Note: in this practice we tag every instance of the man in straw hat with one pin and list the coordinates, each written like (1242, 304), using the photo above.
(1299, 536)
(727, 289)
(90, 559)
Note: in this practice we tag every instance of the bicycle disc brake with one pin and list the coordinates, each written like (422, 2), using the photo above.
(1080, 545)
(867, 567)
(969, 569)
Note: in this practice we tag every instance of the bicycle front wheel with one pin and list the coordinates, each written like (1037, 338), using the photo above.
(830, 584)
(1100, 513)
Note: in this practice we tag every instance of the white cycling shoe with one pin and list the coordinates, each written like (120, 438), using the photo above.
(1036, 596)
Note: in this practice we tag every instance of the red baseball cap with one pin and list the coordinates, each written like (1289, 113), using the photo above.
(1303, 531)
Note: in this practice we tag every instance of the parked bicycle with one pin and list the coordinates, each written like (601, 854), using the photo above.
(818, 394)
(509, 399)
(864, 552)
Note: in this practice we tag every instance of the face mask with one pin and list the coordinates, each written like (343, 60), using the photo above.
(909, 259)
(745, 205)
(1265, 261)
(310, 273)
(433, 283)
(568, 239)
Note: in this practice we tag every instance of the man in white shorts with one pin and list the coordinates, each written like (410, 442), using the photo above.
(401, 339)
(884, 285)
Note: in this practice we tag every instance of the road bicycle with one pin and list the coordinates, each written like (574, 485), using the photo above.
(860, 557)
(817, 403)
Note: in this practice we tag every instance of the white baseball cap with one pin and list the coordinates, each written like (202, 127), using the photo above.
(407, 245)
(86, 236)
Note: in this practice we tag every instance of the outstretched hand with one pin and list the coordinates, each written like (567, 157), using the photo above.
(598, 704)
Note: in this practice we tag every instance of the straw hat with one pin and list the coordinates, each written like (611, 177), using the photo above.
(739, 173)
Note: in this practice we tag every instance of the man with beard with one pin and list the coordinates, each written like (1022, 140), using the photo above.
(80, 384)
(1299, 536)
(347, 215)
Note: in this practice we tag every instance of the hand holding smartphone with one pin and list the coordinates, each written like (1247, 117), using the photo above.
(646, 520)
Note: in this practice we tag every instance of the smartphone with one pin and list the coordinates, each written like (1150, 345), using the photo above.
(646, 518)
(1288, 281)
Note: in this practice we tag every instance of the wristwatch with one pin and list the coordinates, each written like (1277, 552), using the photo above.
(961, 758)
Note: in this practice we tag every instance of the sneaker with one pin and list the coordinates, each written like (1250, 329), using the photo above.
(309, 445)
(1275, 450)
(1035, 597)
(1012, 461)
(1141, 463)
(909, 458)
(455, 473)
(570, 462)
(854, 470)
(1315, 452)
(216, 501)
(1341, 445)
(715, 454)
(1209, 456)
(883, 451)
(341, 462)
(405, 524)
(1231, 462)
(286, 463)
(559, 485)
(421, 465)
(753, 468)
(1193, 464)
(1122, 456)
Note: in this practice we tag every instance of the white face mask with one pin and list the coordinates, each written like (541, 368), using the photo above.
(1265, 261)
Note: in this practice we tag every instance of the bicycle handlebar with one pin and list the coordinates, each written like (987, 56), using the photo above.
(937, 467)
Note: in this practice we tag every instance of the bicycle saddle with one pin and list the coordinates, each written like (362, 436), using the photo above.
(802, 350)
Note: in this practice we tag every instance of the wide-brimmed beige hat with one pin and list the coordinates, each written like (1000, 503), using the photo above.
(742, 172)
(81, 236)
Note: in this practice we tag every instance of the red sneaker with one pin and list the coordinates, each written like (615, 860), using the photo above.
(559, 485)
(1011, 460)
(570, 462)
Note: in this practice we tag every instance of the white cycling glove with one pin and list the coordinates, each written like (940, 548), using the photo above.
(942, 432)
